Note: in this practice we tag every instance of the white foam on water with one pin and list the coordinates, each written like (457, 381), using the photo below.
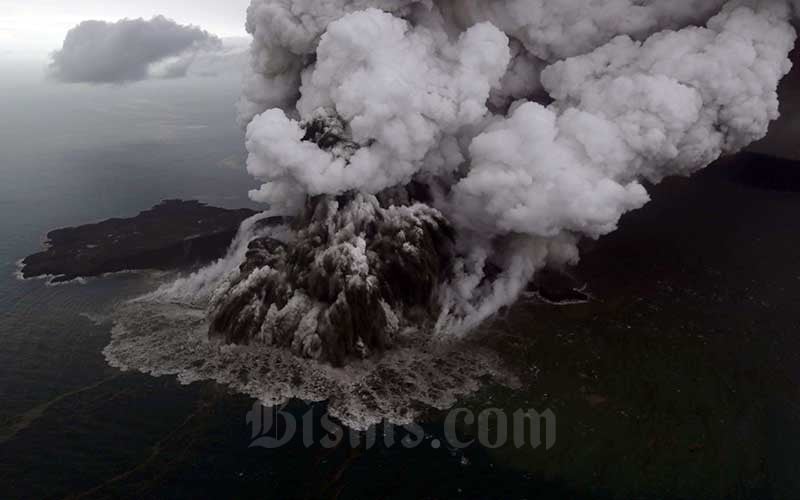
(160, 338)
(74, 281)
(19, 266)
(197, 287)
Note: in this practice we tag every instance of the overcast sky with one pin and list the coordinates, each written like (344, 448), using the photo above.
(31, 29)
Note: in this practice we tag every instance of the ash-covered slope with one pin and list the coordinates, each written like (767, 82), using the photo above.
(172, 234)
(358, 270)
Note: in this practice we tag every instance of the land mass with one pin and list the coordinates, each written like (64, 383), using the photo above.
(173, 234)
(177, 233)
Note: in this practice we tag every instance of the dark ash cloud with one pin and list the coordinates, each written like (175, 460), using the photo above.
(129, 50)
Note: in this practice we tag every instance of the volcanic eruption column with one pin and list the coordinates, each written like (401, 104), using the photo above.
(433, 155)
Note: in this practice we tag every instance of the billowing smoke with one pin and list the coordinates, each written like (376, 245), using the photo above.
(469, 144)
(422, 160)
(130, 50)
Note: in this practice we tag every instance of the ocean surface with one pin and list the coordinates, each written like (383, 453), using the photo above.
(678, 380)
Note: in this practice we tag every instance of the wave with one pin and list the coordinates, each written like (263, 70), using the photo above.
(165, 332)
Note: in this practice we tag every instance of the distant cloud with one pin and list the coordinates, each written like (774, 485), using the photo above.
(234, 162)
(130, 50)
(229, 59)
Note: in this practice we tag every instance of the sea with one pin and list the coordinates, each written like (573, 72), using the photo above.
(678, 379)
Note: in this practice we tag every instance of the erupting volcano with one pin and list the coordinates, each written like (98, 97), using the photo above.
(422, 160)
(435, 155)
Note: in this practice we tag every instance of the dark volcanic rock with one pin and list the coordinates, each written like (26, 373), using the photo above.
(763, 172)
(557, 286)
(360, 269)
(172, 234)
(357, 273)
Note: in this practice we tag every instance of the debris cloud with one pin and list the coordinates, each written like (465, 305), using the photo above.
(428, 158)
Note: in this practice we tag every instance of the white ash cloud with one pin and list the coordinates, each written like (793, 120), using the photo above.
(400, 88)
(130, 50)
(286, 32)
(624, 112)
(554, 30)
(445, 93)
(516, 128)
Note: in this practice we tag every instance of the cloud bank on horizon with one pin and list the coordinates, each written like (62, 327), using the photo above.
(132, 50)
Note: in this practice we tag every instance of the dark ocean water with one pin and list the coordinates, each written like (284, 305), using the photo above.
(680, 380)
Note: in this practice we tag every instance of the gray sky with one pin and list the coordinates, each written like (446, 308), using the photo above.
(31, 29)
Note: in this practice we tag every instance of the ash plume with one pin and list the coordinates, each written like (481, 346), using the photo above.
(529, 124)
(424, 159)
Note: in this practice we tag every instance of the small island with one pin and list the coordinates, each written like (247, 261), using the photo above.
(173, 234)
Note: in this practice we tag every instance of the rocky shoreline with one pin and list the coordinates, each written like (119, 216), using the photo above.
(173, 234)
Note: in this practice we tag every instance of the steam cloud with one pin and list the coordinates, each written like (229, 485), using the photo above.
(531, 123)
(130, 50)
(423, 159)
